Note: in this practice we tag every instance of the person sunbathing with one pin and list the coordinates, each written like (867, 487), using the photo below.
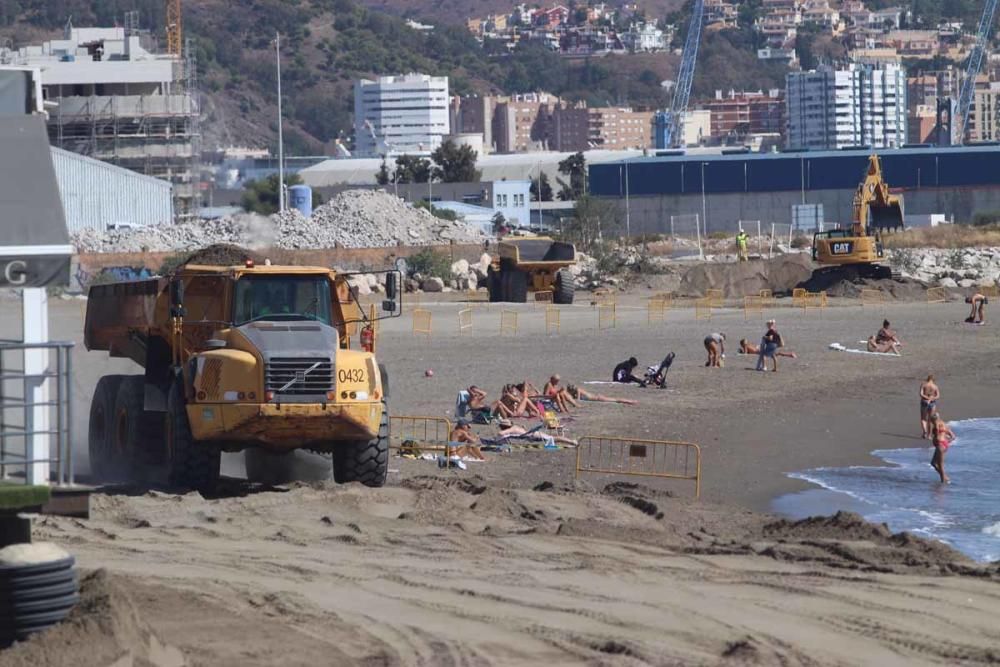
(886, 347)
(464, 443)
(515, 404)
(536, 434)
(582, 395)
(557, 394)
(746, 347)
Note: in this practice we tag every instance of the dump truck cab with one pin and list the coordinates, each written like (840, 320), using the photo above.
(241, 357)
(532, 265)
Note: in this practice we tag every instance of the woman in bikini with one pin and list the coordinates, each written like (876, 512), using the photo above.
(746, 347)
(554, 392)
(582, 395)
(515, 404)
(942, 437)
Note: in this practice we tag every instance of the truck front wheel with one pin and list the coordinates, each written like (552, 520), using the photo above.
(104, 464)
(365, 461)
(190, 464)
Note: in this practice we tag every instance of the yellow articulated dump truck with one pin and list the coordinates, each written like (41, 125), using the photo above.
(532, 265)
(237, 357)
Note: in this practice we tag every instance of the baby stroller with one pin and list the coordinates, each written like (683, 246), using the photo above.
(658, 374)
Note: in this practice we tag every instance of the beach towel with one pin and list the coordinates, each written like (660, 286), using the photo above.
(840, 348)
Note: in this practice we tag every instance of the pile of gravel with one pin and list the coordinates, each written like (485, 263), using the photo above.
(352, 219)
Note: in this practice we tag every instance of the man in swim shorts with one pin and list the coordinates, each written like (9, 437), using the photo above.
(978, 302)
(929, 395)
(715, 345)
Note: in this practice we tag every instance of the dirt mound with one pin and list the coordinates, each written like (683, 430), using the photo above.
(223, 254)
(104, 628)
(845, 282)
(739, 279)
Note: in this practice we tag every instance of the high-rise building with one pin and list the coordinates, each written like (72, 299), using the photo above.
(579, 128)
(858, 105)
(739, 114)
(985, 122)
(119, 102)
(523, 123)
(400, 114)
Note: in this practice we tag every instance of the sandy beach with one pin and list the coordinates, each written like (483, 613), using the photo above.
(514, 561)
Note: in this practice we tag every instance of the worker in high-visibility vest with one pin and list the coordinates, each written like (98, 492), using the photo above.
(741, 246)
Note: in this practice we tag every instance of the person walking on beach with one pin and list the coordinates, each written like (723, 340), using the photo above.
(769, 345)
(929, 395)
(942, 437)
(715, 345)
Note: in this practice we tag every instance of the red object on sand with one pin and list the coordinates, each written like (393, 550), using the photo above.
(429, 373)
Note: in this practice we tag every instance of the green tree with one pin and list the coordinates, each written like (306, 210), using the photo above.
(545, 185)
(499, 222)
(413, 169)
(382, 176)
(262, 196)
(593, 220)
(575, 167)
(455, 164)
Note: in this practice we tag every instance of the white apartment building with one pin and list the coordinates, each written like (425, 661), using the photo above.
(858, 105)
(400, 114)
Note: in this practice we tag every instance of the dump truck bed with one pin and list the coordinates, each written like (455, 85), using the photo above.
(118, 311)
(539, 252)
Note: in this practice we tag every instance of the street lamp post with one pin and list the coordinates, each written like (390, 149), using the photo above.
(281, 141)
(704, 212)
(628, 211)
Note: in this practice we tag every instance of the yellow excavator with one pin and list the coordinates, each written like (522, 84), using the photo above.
(860, 246)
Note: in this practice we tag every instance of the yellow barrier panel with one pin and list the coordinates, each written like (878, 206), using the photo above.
(989, 291)
(606, 316)
(716, 296)
(465, 321)
(552, 319)
(703, 309)
(798, 296)
(936, 295)
(413, 299)
(767, 298)
(752, 304)
(413, 434)
(508, 322)
(422, 322)
(666, 297)
(656, 310)
(646, 458)
(816, 300)
(603, 296)
(872, 297)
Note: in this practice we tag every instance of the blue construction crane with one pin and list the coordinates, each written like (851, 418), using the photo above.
(975, 64)
(674, 132)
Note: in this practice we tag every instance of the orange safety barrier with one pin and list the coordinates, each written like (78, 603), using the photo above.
(703, 309)
(553, 319)
(936, 295)
(752, 304)
(508, 322)
(465, 321)
(603, 296)
(716, 296)
(798, 296)
(422, 322)
(644, 458)
(656, 310)
(607, 317)
(872, 297)
(989, 291)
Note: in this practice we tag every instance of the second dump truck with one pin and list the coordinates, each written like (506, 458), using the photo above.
(532, 265)
(237, 357)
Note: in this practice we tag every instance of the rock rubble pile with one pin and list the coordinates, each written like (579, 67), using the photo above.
(951, 268)
(352, 219)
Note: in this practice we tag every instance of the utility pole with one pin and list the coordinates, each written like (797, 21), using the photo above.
(704, 212)
(628, 212)
(281, 139)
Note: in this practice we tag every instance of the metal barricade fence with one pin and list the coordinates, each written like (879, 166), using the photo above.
(553, 319)
(508, 322)
(607, 317)
(414, 434)
(645, 458)
(465, 321)
(703, 309)
(656, 310)
(29, 411)
(989, 291)
(752, 304)
(422, 322)
(603, 296)
(716, 296)
(872, 297)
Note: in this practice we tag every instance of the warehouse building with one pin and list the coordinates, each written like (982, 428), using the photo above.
(725, 189)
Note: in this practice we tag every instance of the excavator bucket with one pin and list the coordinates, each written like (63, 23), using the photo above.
(886, 218)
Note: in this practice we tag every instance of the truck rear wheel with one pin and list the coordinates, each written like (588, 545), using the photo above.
(514, 285)
(190, 464)
(365, 461)
(104, 465)
(564, 287)
(137, 435)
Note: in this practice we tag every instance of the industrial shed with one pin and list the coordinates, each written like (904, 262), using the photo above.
(97, 195)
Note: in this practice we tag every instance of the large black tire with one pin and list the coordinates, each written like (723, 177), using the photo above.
(515, 284)
(137, 435)
(564, 287)
(100, 444)
(365, 461)
(190, 464)
(493, 285)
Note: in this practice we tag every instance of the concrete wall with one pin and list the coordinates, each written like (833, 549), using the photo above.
(651, 214)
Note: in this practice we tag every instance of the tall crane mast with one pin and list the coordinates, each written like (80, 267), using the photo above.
(175, 28)
(685, 77)
(975, 64)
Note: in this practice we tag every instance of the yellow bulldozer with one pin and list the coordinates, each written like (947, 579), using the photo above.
(860, 246)
(237, 357)
(532, 265)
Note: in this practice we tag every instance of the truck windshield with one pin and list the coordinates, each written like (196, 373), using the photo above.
(282, 298)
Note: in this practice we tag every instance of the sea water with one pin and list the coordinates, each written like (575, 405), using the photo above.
(906, 494)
